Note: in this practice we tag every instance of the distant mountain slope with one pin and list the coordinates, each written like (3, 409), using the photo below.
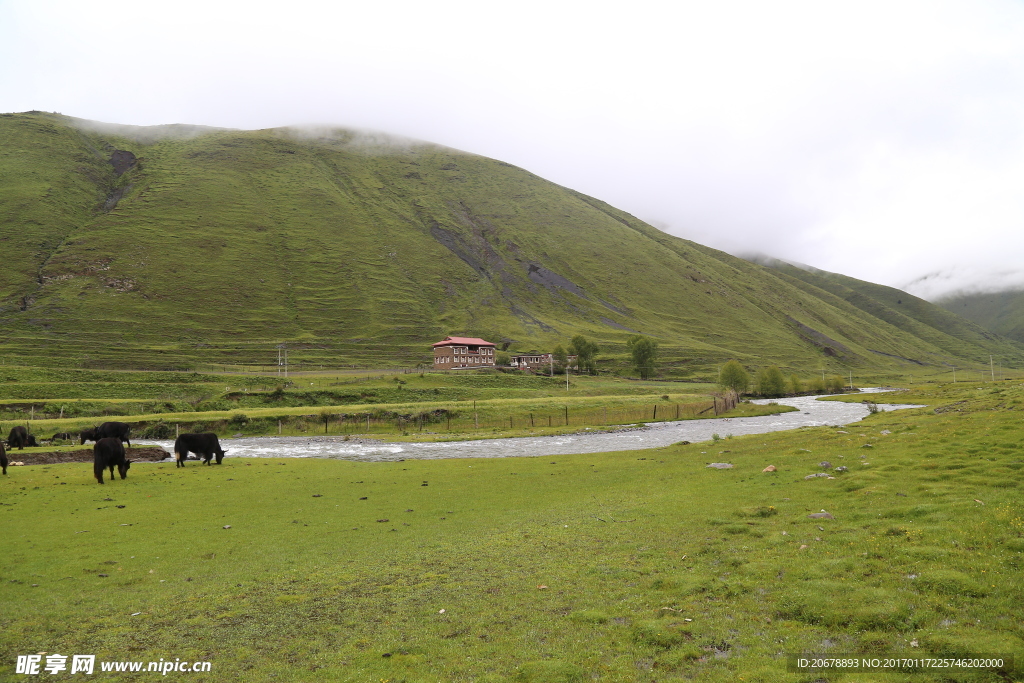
(952, 333)
(999, 312)
(160, 245)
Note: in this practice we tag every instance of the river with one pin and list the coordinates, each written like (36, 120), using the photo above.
(810, 412)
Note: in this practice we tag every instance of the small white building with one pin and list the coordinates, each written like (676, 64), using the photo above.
(536, 361)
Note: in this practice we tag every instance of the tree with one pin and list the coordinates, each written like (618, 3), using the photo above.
(585, 352)
(560, 357)
(835, 384)
(502, 359)
(644, 352)
(734, 376)
(795, 385)
(771, 382)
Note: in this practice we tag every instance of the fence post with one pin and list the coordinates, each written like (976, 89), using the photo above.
(654, 417)
(567, 416)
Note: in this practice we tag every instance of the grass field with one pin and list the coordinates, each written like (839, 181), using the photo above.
(630, 566)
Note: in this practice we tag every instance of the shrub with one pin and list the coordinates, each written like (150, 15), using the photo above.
(157, 430)
(835, 384)
(586, 354)
(771, 382)
(644, 351)
(734, 376)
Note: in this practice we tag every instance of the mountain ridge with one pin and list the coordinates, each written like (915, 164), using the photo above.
(358, 247)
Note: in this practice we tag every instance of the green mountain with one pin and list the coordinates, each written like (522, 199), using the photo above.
(999, 312)
(157, 247)
(956, 335)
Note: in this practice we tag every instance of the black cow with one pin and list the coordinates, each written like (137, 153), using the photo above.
(19, 438)
(109, 452)
(203, 445)
(61, 436)
(3, 458)
(89, 435)
(117, 430)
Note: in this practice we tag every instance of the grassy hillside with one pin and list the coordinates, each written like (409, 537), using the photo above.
(163, 247)
(959, 335)
(1000, 312)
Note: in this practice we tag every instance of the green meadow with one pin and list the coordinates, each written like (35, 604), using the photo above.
(628, 566)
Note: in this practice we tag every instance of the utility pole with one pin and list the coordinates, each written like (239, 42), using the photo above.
(954, 374)
(991, 367)
(280, 363)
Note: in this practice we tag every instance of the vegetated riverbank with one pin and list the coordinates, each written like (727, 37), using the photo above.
(800, 412)
(429, 420)
(548, 568)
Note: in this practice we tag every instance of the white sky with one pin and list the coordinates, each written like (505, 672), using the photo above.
(883, 140)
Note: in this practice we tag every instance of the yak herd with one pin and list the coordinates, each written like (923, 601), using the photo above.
(109, 453)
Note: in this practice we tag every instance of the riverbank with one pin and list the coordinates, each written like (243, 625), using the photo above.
(805, 411)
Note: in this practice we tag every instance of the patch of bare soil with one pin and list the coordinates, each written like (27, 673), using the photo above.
(150, 453)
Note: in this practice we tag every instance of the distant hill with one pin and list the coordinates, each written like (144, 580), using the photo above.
(157, 246)
(954, 334)
(1000, 312)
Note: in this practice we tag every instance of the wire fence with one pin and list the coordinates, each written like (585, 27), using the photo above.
(444, 420)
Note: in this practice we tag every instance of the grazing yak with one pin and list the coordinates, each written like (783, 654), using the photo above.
(3, 458)
(61, 436)
(108, 453)
(117, 430)
(203, 445)
(19, 438)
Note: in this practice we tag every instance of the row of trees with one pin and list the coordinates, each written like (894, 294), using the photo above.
(772, 383)
(643, 351)
(585, 352)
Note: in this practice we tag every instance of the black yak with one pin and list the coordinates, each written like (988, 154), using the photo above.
(204, 445)
(108, 453)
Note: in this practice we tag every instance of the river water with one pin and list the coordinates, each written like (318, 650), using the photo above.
(810, 413)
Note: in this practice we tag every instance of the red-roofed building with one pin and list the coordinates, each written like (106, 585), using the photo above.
(463, 352)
